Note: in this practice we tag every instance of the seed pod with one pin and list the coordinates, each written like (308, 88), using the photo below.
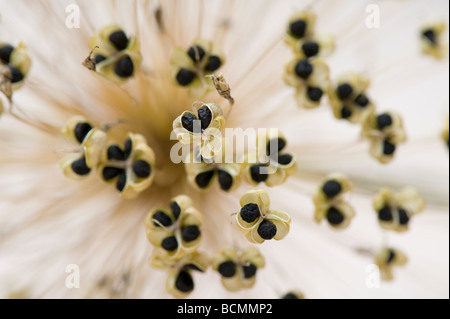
(384, 131)
(348, 98)
(310, 78)
(203, 173)
(431, 40)
(130, 168)
(268, 225)
(90, 141)
(175, 232)
(180, 282)
(330, 204)
(117, 56)
(15, 63)
(300, 26)
(395, 210)
(202, 129)
(269, 164)
(238, 268)
(190, 67)
(386, 258)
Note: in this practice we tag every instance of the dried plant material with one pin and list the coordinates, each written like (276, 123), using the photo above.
(89, 62)
(222, 87)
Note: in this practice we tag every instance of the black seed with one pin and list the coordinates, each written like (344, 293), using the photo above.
(250, 212)
(205, 116)
(80, 167)
(141, 169)
(225, 180)
(331, 188)
(310, 49)
(227, 269)
(162, 218)
(81, 130)
(184, 282)
(196, 53)
(275, 146)
(203, 179)
(267, 230)
(111, 172)
(344, 91)
(290, 295)
(388, 148)
(256, 175)
(391, 257)
(176, 210)
(190, 233)
(185, 77)
(249, 271)
(362, 100)
(192, 267)
(430, 35)
(403, 216)
(124, 67)
(119, 40)
(315, 94)
(128, 146)
(298, 28)
(384, 120)
(121, 181)
(188, 121)
(169, 243)
(5, 53)
(213, 64)
(115, 153)
(303, 69)
(334, 216)
(346, 112)
(16, 74)
(385, 214)
(285, 159)
(99, 58)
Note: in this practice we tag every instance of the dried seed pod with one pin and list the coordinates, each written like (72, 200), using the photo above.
(269, 164)
(15, 64)
(202, 173)
(310, 78)
(117, 56)
(348, 98)
(175, 232)
(384, 131)
(330, 203)
(431, 39)
(189, 67)
(180, 282)
(300, 26)
(238, 268)
(293, 295)
(386, 258)
(130, 168)
(395, 210)
(203, 128)
(90, 143)
(257, 221)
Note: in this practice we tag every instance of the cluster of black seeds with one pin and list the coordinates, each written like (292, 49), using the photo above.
(140, 168)
(345, 93)
(5, 58)
(124, 67)
(331, 189)
(188, 233)
(185, 76)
